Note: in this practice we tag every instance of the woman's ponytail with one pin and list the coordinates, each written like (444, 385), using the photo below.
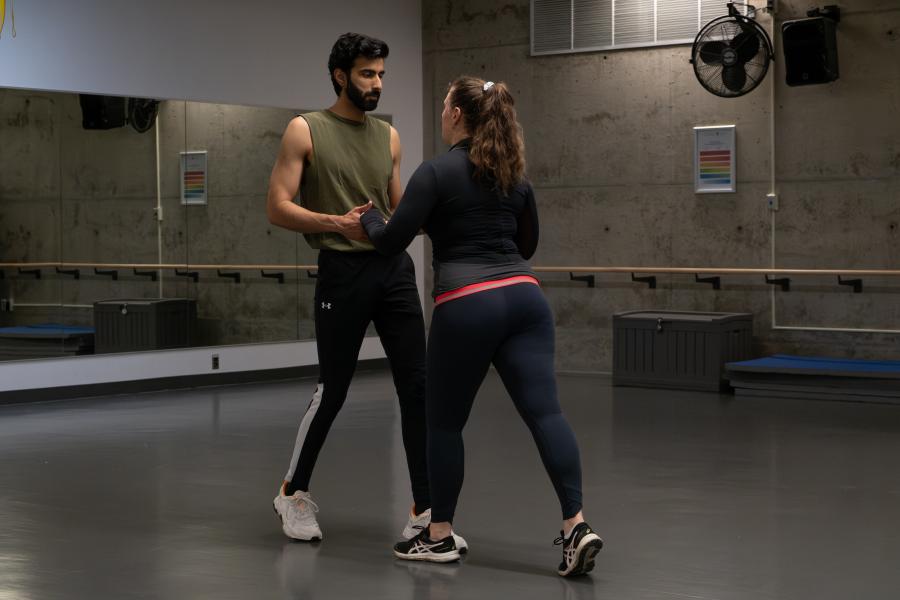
(497, 149)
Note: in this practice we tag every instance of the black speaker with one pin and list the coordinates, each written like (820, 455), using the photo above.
(102, 112)
(810, 51)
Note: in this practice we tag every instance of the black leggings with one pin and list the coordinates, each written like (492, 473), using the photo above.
(511, 327)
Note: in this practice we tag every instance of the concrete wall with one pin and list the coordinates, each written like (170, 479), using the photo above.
(609, 137)
(232, 228)
(93, 200)
(90, 196)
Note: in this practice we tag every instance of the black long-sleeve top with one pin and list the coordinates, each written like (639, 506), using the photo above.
(477, 233)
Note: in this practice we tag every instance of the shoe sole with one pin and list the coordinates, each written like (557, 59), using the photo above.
(436, 558)
(584, 557)
(314, 538)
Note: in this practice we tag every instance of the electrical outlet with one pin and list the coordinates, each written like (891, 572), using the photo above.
(215, 361)
(4, 305)
(772, 201)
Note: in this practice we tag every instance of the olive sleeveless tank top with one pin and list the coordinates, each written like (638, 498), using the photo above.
(350, 165)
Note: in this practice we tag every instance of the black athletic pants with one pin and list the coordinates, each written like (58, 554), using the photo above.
(352, 290)
(511, 327)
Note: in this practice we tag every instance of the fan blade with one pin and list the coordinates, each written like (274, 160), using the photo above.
(734, 77)
(746, 44)
(711, 53)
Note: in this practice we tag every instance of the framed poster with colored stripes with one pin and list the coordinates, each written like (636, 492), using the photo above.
(714, 159)
(194, 181)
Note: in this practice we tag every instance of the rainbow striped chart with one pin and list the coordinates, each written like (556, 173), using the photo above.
(714, 159)
(193, 177)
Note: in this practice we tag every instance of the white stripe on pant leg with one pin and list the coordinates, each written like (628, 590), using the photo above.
(304, 430)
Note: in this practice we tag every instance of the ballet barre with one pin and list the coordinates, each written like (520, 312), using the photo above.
(151, 270)
(852, 278)
(773, 276)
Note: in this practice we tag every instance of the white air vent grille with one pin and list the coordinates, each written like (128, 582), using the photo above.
(552, 20)
(564, 26)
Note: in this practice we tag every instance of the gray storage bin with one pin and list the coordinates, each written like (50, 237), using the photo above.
(128, 325)
(682, 350)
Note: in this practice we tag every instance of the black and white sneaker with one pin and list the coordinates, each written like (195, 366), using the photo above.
(423, 548)
(417, 523)
(579, 550)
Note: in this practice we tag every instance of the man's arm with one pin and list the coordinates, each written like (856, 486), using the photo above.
(395, 190)
(284, 183)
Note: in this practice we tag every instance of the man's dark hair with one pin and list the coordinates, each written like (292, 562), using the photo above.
(347, 48)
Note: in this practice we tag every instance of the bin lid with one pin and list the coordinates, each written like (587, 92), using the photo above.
(675, 315)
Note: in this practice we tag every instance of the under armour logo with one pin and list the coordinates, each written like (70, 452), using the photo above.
(326, 305)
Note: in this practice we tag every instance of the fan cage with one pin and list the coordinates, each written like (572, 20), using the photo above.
(725, 29)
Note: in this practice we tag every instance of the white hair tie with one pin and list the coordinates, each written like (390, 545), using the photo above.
(487, 85)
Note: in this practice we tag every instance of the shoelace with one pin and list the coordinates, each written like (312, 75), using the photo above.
(568, 553)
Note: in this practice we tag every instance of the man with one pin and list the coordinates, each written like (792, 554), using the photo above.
(337, 159)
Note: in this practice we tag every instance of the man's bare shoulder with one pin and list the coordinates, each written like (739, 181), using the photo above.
(297, 136)
(395, 143)
(298, 126)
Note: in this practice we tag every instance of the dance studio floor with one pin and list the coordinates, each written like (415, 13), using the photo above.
(697, 495)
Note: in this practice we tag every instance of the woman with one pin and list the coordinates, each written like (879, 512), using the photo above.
(479, 211)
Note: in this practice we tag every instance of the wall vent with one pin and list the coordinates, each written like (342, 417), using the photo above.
(568, 26)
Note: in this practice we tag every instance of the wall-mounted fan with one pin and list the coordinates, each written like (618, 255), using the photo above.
(731, 54)
(110, 112)
(142, 113)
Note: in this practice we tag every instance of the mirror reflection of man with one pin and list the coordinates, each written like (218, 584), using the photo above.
(337, 159)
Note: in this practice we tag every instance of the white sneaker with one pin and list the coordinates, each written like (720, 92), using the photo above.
(298, 515)
(417, 523)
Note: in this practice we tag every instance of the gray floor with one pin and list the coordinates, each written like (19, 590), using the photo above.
(697, 495)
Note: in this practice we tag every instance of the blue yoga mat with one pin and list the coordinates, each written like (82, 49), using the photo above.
(44, 330)
(815, 365)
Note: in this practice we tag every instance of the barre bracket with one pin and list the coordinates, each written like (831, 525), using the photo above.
(279, 276)
(784, 282)
(232, 275)
(76, 273)
(650, 280)
(195, 275)
(856, 284)
(151, 274)
(114, 273)
(35, 272)
(715, 281)
(588, 279)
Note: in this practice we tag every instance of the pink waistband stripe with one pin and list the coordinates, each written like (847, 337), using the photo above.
(482, 287)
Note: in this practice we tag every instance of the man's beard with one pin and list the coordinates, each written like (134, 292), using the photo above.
(363, 103)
